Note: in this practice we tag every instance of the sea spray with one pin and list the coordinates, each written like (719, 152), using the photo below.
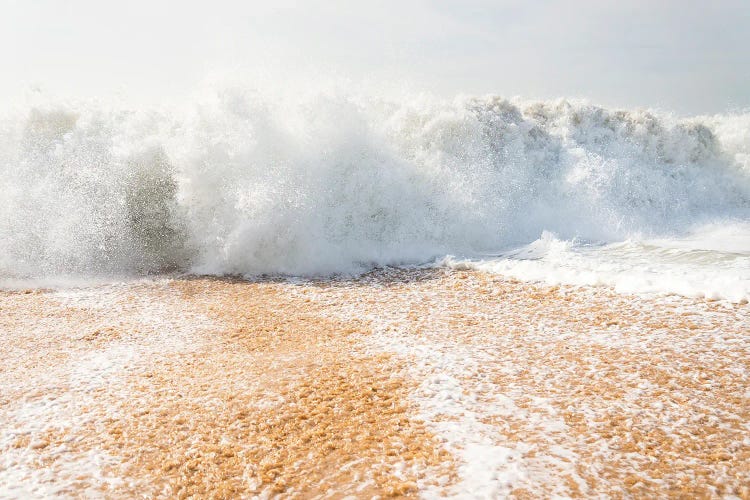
(247, 184)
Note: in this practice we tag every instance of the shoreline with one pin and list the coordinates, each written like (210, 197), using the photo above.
(398, 382)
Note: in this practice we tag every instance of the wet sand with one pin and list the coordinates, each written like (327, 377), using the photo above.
(399, 383)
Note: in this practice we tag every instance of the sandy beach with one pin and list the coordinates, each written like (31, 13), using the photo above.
(369, 250)
(398, 383)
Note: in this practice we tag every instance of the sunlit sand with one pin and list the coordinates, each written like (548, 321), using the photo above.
(414, 383)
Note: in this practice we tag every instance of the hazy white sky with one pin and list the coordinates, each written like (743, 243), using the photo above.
(687, 56)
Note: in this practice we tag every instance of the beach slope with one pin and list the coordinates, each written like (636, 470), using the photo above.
(403, 383)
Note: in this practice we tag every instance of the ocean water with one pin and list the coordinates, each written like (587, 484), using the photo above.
(711, 262)
(244, 182)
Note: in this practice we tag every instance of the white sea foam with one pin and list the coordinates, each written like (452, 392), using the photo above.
(333, 182)
(711, 262)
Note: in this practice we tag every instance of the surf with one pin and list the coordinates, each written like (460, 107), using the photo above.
(247, 183)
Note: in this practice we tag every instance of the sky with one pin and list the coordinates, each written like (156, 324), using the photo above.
(690, 57)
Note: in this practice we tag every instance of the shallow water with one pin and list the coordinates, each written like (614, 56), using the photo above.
(712, 262)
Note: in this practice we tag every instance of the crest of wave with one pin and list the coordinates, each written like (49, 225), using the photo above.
(246, 183)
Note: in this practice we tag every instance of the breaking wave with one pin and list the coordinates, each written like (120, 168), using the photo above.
(246, 184)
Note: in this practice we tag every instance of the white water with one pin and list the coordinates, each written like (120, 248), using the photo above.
(249, 183)
(712, 262)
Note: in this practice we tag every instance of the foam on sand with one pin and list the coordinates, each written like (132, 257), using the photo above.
(424, 382)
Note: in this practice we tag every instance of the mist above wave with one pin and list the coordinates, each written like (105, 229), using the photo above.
(245, 183)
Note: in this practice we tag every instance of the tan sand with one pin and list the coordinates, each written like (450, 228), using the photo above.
(223, 389)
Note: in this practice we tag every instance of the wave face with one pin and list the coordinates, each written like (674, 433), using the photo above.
(243, 184)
